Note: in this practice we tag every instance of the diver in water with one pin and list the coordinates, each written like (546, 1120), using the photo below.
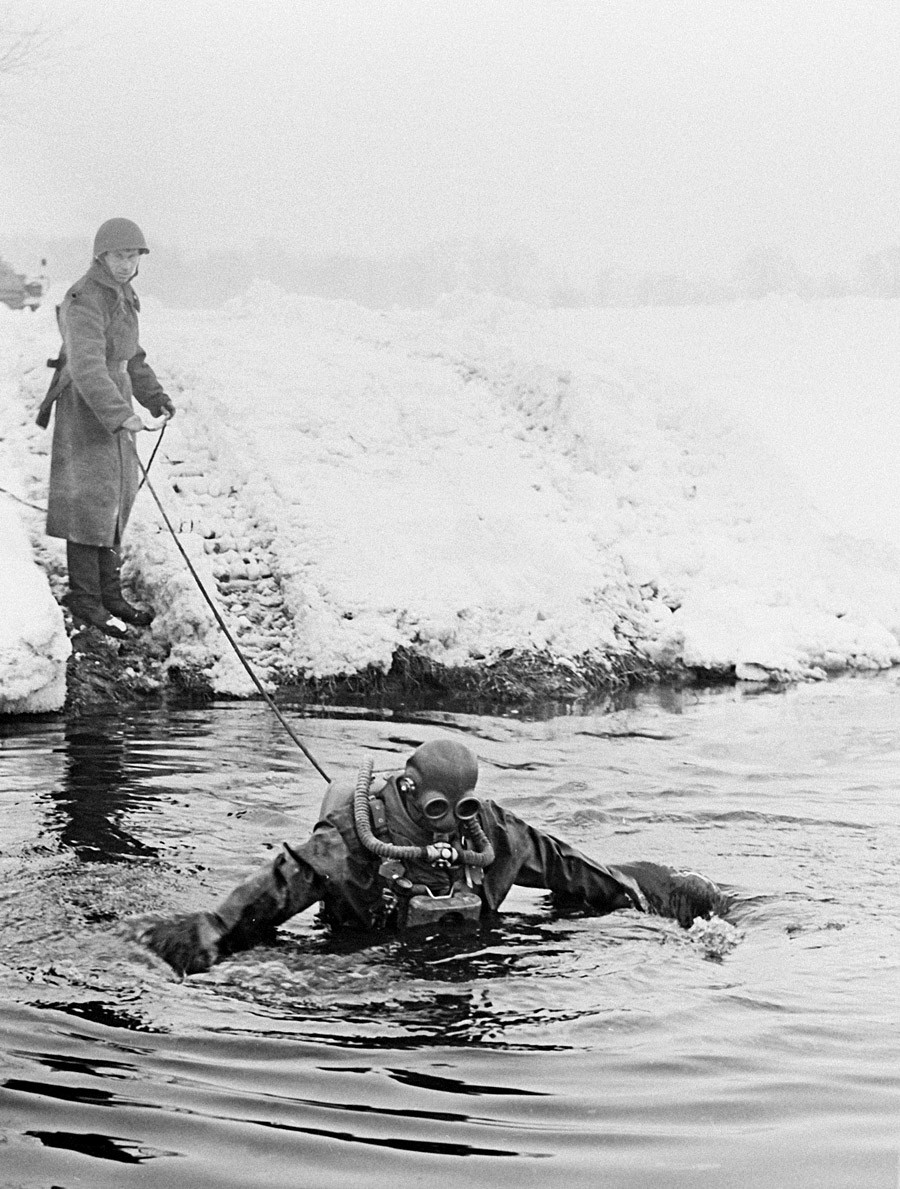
(414, 851)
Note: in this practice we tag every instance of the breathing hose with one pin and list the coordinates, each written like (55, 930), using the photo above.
(484, 855)
(362, 818)
(38, 508)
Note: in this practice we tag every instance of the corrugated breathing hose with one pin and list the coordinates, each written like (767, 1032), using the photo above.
(362, 819)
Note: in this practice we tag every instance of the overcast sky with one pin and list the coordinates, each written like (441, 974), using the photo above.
(652, 133)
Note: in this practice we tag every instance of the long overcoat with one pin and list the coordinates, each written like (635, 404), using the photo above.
(93, 468)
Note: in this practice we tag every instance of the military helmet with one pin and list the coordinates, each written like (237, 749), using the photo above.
(119, 235)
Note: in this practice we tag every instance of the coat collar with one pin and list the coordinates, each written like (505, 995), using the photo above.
(100, 273)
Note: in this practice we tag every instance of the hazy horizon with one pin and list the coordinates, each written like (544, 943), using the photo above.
(667, 134)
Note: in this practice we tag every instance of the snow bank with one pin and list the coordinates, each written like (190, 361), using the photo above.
(487, 477)
(33, 641)
(34, 646)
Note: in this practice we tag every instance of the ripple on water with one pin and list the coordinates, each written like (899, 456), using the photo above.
(545, 1050)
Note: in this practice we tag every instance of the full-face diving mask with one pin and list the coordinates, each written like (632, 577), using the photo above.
(439, 780)
(435, 807)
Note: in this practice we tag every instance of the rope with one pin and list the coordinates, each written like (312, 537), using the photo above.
(224, 626)
(145, 480)
(12, 495)
(38, 508)
(152, 455)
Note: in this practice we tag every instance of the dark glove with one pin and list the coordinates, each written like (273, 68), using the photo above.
(681, 895)
(690, 895)
(189, 943)
(166, 408)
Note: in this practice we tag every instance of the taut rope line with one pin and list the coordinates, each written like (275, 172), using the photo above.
(145, 481)
(37, 508)
(224, 626)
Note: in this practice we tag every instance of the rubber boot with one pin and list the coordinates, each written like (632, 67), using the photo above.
(111, 591)
(84, 599)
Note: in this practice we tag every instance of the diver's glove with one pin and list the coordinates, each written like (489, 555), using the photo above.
(681, 895)
(188, 942)
(690, 895)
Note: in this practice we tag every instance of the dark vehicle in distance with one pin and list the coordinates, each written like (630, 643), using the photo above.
(19, 291)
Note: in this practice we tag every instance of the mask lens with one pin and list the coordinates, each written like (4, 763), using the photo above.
(467, 808)
(436, 807)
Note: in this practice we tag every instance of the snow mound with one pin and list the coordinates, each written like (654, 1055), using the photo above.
(488, 478)
(34, 646)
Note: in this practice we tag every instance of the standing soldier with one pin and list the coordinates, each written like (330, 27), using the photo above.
(94, 469)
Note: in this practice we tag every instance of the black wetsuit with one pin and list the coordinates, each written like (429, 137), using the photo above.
(333, 867)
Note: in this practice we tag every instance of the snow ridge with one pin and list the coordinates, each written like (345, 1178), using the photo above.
(462, 483)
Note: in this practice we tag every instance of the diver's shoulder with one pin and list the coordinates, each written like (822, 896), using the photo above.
(338, 799)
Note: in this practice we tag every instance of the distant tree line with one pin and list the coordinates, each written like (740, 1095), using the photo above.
(502, 267)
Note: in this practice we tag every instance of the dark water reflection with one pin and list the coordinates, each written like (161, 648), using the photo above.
(542, 1050)
(97, 790)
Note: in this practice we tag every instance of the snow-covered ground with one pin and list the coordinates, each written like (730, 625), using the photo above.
(34, 646)
(710, 485)
(33, 641)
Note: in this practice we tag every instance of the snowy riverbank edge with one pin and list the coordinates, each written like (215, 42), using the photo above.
(102, 674)
(609, 525)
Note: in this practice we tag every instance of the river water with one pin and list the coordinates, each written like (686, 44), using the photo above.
(544, 1051)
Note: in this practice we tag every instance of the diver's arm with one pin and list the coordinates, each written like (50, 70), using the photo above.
(193, 942)
(277, 892)
(548, 862)
(541, 861)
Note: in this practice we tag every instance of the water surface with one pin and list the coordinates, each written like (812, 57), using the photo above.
(544, 1051)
